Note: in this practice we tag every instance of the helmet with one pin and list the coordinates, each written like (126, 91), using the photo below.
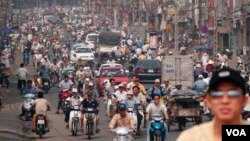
(66, 76)
(122, 106)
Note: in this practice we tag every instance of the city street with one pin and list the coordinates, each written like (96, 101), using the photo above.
(10, 123)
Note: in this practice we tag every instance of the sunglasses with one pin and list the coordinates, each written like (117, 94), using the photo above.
(156, 98)
(230, 93)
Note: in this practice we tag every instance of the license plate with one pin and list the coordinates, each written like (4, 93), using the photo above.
(40, 121)
(151, 71)
(130, 109)
(46, 83)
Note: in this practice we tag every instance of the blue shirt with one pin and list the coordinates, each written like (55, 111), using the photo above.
(130, 103)
(199, 86)
(31, 90)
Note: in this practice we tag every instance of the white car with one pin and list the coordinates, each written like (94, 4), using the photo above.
(92, 37)
(83, 53)
(85, 44)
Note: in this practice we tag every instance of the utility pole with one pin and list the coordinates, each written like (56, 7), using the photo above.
(193, 22)
(176, 49)
(200, 18)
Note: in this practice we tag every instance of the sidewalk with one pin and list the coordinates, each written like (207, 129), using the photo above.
(10, 124)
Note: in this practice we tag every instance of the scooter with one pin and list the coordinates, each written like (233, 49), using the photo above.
(41, 125)
(89, 122)
(27, 104)
(157, 128)
(74, 120)
(111, 106)
(122, 134)
(64, 94)
(143, 121)
(132, 112)
(46, 86)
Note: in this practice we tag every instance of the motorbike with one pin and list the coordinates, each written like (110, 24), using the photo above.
(132, 112)
(46, 85)
(64, 94)
(27, 104)
(57, 53)
(111, 106)
(143, 121)
(41, 125)
(22, 86)
(74, 120)
(122, 134)
(90, 122)
(157, 129)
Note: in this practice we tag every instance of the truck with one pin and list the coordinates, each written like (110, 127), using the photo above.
(106, 43)
(178, 69)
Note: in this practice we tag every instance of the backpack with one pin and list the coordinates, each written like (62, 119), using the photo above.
(153, 89)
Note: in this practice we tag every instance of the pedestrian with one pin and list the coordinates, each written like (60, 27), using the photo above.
(226, 99)
(22, 74)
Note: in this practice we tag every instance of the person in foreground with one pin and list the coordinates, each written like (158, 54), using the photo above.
(41, 107)
(226, 98)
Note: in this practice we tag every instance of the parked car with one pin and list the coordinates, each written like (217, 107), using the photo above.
(147, 70)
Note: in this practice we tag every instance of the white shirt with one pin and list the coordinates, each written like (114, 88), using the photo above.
(156, 109)
(138, 51)
(121, 96)
(22, 73)
(38, 57)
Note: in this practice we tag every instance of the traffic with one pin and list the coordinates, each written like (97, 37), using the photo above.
(92, 67)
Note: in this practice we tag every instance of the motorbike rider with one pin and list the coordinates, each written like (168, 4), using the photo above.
(89, 102)
(131, 102)
(121, 94)
(136, 82)
(43, 73)
(156, 107)
(167, 86)
(45, 61)
(122, 119)
(157, 89)
(74, 100)
(200, 85)
(80, 72)
(22, 74)
(28, 90)
(90, 87)
(64, 84)
(54, 68)
(36, 82)
(41, 107)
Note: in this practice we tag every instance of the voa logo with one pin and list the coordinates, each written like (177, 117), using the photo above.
(236, 132)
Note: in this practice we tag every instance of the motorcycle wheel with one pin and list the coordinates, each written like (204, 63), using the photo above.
(27, 117)
(75, 128)
(40, 134)
(89, 131)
